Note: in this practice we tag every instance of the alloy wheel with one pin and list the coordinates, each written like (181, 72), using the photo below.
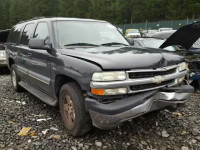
(69, 111)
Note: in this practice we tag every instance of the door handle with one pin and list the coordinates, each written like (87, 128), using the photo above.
(29, 54)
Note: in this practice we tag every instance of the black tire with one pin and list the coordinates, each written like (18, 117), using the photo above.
(15, 79)
(196, 85)
(80, 121)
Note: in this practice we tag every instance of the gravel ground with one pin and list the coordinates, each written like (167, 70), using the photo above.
(157, 130)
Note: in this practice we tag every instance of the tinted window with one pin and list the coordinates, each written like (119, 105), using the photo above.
(2, 47)
(14, 34)
(41, 31)
(26, 35)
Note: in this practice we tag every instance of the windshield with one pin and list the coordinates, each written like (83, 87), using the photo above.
(91, 33)
(157, 44)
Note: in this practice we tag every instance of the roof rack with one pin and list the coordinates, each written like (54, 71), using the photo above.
(35, 18)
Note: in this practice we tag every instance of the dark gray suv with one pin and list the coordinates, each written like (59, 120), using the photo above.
(90, 70)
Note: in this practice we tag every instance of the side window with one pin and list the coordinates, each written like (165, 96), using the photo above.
(26, 35)
(14, 34)
(41, 31)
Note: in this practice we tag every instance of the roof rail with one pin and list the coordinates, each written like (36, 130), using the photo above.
(6, 30)
(35, 18)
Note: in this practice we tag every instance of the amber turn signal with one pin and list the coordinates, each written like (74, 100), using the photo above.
(97, 91)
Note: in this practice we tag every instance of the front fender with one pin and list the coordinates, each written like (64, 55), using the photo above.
(77, 69)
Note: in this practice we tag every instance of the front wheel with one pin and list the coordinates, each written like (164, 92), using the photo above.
(15, 79)
(72, 108)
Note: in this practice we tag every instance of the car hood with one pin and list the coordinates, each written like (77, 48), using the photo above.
(125, 57)
(186, 36)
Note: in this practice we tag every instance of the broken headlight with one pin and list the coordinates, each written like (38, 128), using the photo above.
(182, 67)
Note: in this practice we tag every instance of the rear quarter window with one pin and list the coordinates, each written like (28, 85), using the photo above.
(14, 34)
(2, 47)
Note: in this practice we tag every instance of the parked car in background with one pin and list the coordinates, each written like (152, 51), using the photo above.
(3, 39)
(187, 38)
(152, 43)
(90, 70)
(131, 33)
(163, 35)
(164, 29)
(149, 33)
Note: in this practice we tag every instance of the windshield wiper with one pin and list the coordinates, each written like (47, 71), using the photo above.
(113, 43)
(81, 44)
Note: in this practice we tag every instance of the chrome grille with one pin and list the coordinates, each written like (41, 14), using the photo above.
(139, 80)
(150, 86)
(137, 75)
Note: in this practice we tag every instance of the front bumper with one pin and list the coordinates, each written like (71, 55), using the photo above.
(106, 116)
(3, 62)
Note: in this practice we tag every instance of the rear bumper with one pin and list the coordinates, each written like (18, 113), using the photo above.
(106, 116)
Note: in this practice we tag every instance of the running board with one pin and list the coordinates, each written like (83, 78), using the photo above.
(39, 94)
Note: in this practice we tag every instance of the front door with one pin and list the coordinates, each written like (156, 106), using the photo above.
(39, 63)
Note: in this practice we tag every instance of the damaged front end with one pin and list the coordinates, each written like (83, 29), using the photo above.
(107, 116)
(187, 37)
(147, 90)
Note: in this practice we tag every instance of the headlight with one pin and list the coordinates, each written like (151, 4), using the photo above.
(2, 54)
(180, 80)
(109, 76)
(183, 66)
(117, 91)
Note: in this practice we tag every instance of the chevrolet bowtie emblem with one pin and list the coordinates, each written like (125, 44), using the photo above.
(158, 79)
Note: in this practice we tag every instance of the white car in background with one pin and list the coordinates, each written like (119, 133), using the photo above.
(3, 39)
(164, 29)
(131, 33)
(2, 56)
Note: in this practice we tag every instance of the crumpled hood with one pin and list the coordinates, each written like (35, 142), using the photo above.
(126, 57)
(186, 36)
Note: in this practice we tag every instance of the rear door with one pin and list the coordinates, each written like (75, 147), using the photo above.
(39, 66)
(22, 49)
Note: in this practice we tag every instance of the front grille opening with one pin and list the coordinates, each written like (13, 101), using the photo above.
(136, 75)
(149, 86)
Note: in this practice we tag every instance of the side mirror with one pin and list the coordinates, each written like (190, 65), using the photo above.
(130, 40)
(39, 44)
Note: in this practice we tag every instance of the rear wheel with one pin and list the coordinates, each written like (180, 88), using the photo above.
(72, 108)
(15, 79)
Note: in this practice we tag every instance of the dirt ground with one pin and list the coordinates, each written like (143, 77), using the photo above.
(160, 130)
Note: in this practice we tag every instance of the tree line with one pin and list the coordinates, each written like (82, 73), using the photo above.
(114, 11)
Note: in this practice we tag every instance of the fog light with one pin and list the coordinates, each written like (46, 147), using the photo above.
(183, 66)
(180, 80)
(117, 91)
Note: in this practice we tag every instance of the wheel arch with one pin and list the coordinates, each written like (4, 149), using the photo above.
(60, 80)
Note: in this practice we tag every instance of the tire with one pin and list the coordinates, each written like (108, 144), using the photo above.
(196, 85)
(15, 79)
(72, 108)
